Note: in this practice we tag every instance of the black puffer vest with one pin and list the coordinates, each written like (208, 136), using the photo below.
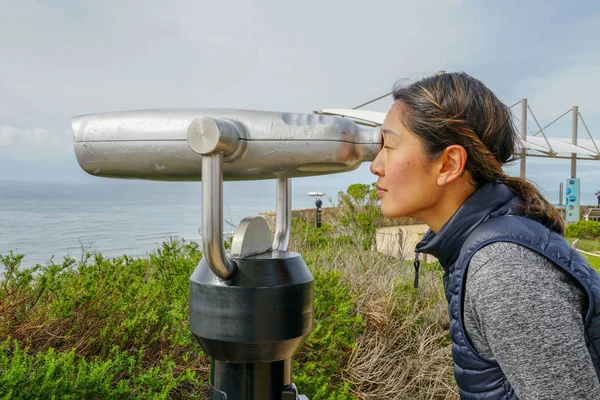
(494, 214)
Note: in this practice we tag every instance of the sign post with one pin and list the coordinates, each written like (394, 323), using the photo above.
(572, 200)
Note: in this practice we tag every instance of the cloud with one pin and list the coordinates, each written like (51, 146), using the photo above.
(66, 58)
(32, 143)
(553, 94)
(267, 54)
(63, 59)
(573, 78)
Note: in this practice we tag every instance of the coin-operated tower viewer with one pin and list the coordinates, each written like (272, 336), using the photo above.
(252, 308)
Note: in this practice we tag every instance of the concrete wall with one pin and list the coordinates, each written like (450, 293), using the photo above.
(400, 241)
(397, 241)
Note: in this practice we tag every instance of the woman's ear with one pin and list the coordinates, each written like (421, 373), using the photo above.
(451, 164)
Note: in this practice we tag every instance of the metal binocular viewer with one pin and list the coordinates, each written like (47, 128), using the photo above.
(251, 309)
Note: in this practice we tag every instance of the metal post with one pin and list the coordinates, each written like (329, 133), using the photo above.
(212, 217)
(560, 194)
(574, 139)
(283, 214)
(523, 136)
(318, 203)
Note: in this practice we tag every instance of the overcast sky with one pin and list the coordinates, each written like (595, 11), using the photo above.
(63, 58)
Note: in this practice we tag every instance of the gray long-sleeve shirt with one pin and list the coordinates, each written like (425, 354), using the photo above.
(527, 314)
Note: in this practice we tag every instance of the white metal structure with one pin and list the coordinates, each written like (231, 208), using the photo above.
(592, 214)
(530, 146)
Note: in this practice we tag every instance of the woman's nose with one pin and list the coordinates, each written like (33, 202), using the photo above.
(376, 167)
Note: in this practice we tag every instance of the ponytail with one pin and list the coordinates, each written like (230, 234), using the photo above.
(535, 203)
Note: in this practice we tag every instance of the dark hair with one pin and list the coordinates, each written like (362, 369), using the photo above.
(457, 109)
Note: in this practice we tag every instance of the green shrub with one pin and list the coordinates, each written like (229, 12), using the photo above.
(99, 309)
(309, 235)
(63, 375)
(359, 212)
(318, 366)
(584, 230)
(112, 328)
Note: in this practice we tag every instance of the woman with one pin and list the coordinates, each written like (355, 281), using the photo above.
(524, 306)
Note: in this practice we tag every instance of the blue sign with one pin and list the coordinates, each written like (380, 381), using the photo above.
(572, 200)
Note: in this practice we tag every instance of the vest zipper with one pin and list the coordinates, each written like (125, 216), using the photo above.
(417, 264)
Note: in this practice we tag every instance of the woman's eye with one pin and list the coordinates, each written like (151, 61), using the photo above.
(385, 144)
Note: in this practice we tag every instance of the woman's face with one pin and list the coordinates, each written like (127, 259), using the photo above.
(405, 185)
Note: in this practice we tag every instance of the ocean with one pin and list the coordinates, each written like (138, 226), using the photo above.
(56, 219)
(115, 217)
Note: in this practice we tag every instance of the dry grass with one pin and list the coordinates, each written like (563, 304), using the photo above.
(404, 351)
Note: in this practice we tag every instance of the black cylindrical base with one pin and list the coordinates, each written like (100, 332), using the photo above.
(263, 315)
(265, 381)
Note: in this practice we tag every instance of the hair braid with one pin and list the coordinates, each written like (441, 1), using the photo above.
(451, 119)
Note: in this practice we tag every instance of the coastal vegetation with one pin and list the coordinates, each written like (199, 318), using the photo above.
(587, 234)
(113, 328)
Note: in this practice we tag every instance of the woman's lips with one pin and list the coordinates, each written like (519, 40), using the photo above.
(380, 190)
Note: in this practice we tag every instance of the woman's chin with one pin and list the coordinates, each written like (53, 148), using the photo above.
(399, 212)
(392, 213)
